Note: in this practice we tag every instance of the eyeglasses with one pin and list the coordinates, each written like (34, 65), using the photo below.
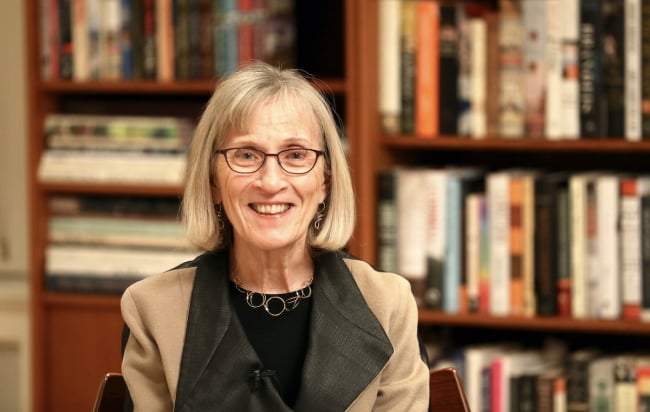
(296, 161)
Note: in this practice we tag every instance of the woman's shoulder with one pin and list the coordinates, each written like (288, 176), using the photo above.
(368, 278)
(178, 278)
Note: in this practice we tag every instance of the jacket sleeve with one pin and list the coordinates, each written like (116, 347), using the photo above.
(404, 383)
(142, 365)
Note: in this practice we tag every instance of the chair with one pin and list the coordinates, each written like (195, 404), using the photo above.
(446, 391)
(111, 394)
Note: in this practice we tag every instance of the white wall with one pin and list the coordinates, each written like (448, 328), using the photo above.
(14, 300)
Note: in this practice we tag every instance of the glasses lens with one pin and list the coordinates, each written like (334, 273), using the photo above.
(244, 159)
(297, 160)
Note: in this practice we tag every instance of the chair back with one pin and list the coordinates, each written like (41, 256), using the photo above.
(446, 391)
(111, 393)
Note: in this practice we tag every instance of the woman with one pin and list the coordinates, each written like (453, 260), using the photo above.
(273, 316)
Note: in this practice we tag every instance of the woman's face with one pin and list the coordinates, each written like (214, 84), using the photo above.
(272, 209)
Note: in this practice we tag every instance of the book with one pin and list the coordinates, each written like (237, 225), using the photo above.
(553, 121)
(548, 188)
(645, 70)
(434, 186)
(645, 257)
(632, 69)
(408, 35)
(569, 83)
(427, 67)
(80, 268)
(577, 379)
(601, 383)
(460, 183)
(225, 37)
(474, 203)
(448, 37)
(613, 49)
(643, 386)
(164, 40)
(389, 87)
(511, 93)
(579, 247)
(478, 78)
(387, 220)
(412, 208)
(607, 215)
(492, 74)
(80, 39)
(593, 117)
(498, 198)
(534, 55)
(466, 43)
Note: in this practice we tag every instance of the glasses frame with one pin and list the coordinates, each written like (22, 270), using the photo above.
(225, 151)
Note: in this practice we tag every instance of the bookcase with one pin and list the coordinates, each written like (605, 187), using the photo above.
(76, 336)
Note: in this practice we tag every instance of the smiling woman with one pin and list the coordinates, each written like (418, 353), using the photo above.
(274, 314)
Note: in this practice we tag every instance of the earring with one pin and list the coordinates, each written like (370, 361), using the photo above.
(218, 211)
(319, 215)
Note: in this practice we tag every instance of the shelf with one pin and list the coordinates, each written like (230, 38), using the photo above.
(153, 87)
(540, 324)
(112, 189)
(81, 301)
(515, 145)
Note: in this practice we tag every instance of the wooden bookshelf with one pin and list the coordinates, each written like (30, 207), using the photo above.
(76, 337)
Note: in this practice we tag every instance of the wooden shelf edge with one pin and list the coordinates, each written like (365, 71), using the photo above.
(503, 144)
(554, 324)
(199, 87)
(112, 189)
(81, 300)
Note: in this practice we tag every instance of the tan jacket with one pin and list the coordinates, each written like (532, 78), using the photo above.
(187, 352)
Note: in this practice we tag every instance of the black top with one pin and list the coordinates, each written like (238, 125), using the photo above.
(280, 342)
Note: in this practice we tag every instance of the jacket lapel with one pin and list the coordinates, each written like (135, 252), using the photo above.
(217, 361)
(348, 347)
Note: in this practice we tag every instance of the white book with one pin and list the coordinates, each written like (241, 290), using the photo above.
(569, 87)
(601, 384)
(473, 205)
(553, 120)
(607, 222)
(478, 78)
(579, 269)
(66, 259)
(389, 86)
(80, 40)
(112, 167)
(411, 229)
(632, 67)
(498, 197)
(434, 189)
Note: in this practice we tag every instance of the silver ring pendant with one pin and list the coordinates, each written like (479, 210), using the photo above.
(250, 299)
(268, 310)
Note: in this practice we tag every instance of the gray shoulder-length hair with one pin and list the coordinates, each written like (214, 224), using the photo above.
(230, 110)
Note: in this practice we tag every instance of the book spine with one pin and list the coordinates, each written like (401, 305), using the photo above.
(593, 121)
(511, 93)
(427, 95)
(563, 253)
(205, 48)
(387, 221)
(66, 46)
(164, 40)
(545, 246)
(553, 126)
(613, 49)
(149, 51)
(493, 89)
(436, 237)
(448, 72)
(645, 69)
(498, 190)
(630, 246)
(408, 32)
(466, 44)
(389, 66)
(645, 257)
(473, 249)
(578, 205)
(478, 79)
(607, 210)
(516, 246)
(80, 40)
(569, 84)
(632, 68)
(534, 55)
(124, 40)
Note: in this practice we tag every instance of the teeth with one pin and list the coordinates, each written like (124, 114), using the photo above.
(270, 209)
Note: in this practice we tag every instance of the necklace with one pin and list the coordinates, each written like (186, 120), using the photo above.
(274, 305)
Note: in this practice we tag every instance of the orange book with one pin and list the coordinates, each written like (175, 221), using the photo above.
(516, 246)
(427, 69)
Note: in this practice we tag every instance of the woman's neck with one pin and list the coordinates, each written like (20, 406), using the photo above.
(277, 271)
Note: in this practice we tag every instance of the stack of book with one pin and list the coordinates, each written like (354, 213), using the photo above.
(115, 149)
(99, 244)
